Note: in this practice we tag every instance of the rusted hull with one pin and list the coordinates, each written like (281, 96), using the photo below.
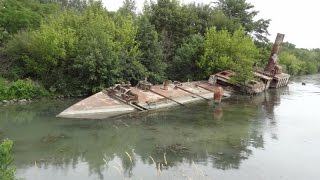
(103, 105)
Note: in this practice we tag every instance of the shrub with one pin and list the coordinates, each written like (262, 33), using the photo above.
(25, 89)
(21, 89)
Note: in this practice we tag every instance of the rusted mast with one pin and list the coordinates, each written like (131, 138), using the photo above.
(270, 68)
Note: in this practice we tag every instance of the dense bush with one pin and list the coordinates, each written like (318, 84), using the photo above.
(74, 53)
(6, 172)
(224, 50)
(21, 89)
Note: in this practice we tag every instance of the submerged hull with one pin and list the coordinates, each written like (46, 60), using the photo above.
(103, 105)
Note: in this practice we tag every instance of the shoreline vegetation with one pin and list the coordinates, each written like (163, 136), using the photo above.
(62, 48)
(20, 89)
(26, 91)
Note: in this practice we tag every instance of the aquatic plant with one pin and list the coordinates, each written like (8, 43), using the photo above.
(160, 167)
(6, 171)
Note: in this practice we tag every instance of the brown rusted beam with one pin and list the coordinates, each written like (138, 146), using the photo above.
(205, 88)
(166, 97)
(270, 67)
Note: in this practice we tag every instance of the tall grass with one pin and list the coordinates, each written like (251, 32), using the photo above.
(6, 171)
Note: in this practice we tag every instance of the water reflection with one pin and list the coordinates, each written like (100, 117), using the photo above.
(217, 135)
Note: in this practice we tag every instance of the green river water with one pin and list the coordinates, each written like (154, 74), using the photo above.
(274, 135)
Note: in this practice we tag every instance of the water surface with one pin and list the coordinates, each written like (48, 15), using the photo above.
(271, 136)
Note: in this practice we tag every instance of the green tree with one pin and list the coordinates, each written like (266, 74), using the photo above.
(223, 50)
(79, 52)
(96, 60)
(76, 4)
(264, 53)
(38, 53)
(184, 64)
(18, 15)
(131, 68)
(311, 67)
(152, 55)
(291, 63)
(128, 8)
(174, 23)
(241, 11)
(164, 16)
(298, 60)
(223, 22)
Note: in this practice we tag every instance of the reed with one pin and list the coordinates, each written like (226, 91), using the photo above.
(129, 157)
(118, 170)
(165, 159)
(159, 169)
(196, 172)
(198, 169)
(154, 163)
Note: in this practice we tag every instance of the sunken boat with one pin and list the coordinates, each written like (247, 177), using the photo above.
(124, 98)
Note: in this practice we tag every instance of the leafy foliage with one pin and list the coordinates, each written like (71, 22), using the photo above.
(18, 15)
(81, 58)
(184, 65)
(152, 55)
(73, 4)
(6, 172)
(128, 8)
(291, 63)
(242, 12)
(297, 61)
(223, 50)
(20, 89)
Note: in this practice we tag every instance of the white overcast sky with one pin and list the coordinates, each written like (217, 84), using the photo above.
(297, 19)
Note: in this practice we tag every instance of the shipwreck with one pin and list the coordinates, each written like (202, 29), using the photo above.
(124, 98)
